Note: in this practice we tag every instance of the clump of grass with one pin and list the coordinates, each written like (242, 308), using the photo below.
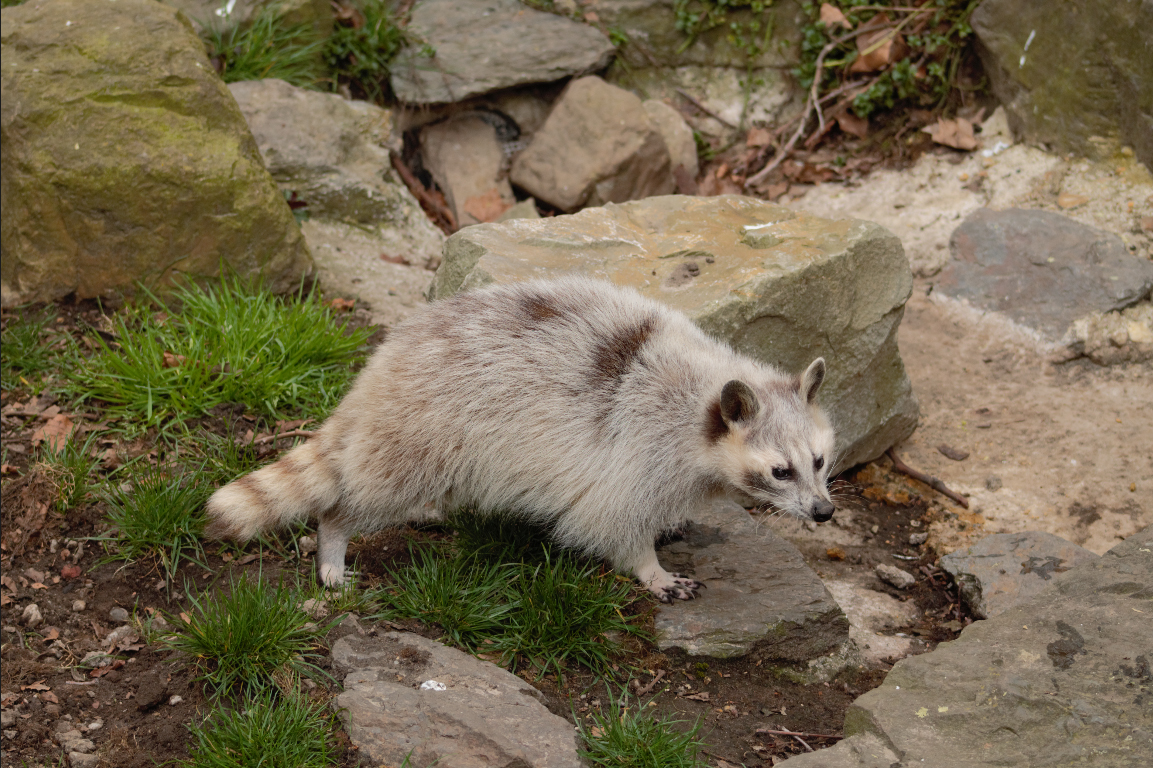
(69, 469)
(362, 46)
(284, 732)
(161, 517)
(251, 640)
(624, 739)
(26, 353)
(268, 48)
(502, 589)
(229, 343)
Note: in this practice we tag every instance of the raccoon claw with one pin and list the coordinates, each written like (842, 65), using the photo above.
(682, 588)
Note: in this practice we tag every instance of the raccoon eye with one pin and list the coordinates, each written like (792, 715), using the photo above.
(782, 473)
(818, 463)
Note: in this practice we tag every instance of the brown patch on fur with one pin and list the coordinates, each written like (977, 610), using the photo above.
(614, 356)
(263, 501)
(219, 529)
(337, 514)
(715, 426)
(539, 308)
(758, 481)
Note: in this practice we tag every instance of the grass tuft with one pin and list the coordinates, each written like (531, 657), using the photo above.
(624, 739)
(69, 469)
(251, 640)
(284, 732)
(228, 344)
(26, 354)
(160, 517)
(267, 48)
(362, 47)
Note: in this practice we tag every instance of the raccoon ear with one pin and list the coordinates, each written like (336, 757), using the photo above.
(811, 379)
(738, 402)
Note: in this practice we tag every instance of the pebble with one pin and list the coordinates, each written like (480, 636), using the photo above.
(895, 577)
(317, 609)
(993, 483)
(118, 614)
(31, 616)
(78, 606)
(82, 760)
(34, 575)
(917, 539)
(174, 700)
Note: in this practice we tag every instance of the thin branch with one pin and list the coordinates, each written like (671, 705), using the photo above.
(928, 480)
(799, 733)
(689, 98)
(652, 684)
(430, 202)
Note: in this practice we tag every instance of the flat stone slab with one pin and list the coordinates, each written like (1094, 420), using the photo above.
(484, 45)
(483, 717)
(780, 286)
(1007, 569)
(1061, 680)
(1042, 269)
(759, 593)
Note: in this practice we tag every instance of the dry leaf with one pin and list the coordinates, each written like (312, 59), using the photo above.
(172, 360)
(875, 51)
(184, 617)
(832, 16)
(853, 125)
(49, 698)
(702, 696)
(38, 585)
(1067, 200)
(36, 686)
(53, 633)
(55, 432)
(70, 571)
(246, 559)
(5, 600)
(759, 137)
(773, 191)
(952, 133)
(835, 553)
(102, 671)
(486, 207)
(395, 259)
(342, 305)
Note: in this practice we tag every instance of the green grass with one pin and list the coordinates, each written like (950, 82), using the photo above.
(502, 590)
(268, 48)
(631, 738)
(227, 344)
(250, 640)
(69, 470)
(360, 55)
(160, 516)
(23, 350)
(266, 731)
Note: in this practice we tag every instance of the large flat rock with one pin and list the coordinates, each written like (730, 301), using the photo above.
(780, 286)
(1042, 269)
(485, 45)
(1062, 680)
(759, 594)
(483, 716)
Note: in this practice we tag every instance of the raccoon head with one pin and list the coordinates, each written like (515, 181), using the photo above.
(774, 443)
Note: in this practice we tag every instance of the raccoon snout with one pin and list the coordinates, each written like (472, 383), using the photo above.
(822, 511)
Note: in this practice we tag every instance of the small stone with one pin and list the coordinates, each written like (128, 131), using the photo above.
(949, 452)
(31, 616)
(34, 575)
(917, 539)
(95, 725)
(873, 529)
(81, 760)
(118, 614)
(317, 609)
(895, 577)
(174, 700)
(7, 718)
(993, 483)
(307, 545)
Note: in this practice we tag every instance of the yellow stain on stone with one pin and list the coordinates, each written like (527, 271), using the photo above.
(922, 711)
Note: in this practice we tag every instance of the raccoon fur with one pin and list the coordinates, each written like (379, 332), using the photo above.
(573, 403)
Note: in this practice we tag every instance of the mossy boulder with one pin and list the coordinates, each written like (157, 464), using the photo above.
(126, 160)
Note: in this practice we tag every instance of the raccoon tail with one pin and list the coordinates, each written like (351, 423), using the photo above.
(297, 486)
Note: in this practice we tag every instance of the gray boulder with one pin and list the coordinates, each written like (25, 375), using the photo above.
(1042, 269)
(370, 238)
(127, 161)
(1006, 569)
(1071, 73)
(485, 45)
(466, 161)
(414, 701)
(677, 134)
(780, 286)
(760, 596)
(597, 146)
(1061, 680)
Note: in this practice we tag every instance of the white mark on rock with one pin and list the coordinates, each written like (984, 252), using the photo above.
(1026, 48)
(433, 685)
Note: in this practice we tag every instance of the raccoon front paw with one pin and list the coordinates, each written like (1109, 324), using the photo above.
(676, 587)
(337, 576)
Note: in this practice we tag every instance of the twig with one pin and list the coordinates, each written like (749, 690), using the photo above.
(799, 733)
(803, 744)
(422, 194)
(652, 684)
(689, 98)
(277, 436)
(928, 480)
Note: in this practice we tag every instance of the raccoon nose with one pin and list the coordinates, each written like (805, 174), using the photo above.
(822, 510)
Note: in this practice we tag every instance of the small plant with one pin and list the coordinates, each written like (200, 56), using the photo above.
(267, 48)
(25, 351)
(362, 46)
(273, 732)
(624, 739)
(69, 469)
(228, 344)
(250, 640)
(161, 516)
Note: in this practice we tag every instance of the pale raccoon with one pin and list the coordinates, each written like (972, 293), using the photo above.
(573, 403)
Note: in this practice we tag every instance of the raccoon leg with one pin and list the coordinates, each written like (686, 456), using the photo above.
(333, 534)
(660, 582)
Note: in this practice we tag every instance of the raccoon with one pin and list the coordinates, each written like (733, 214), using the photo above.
(572, 403)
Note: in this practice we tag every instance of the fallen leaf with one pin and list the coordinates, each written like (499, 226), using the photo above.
(8, 582)
(38, 585)
(486, 207)
(70, 571)
(49, 698)
(853, 125)
(5, 600)
(52, 634)
(246, 559)
(874, 50)
(702, 696)
(226, 557)
(759, 137)
(832, 16)
(6, 469)
(342, 305)
(1066, 200)
(36, 686)
(773, 191)
(55, 432)
(102, 671)
(184, 617)
(395, 259)
(50, 412)
(835, 553)
(172, 360)
(952, 133)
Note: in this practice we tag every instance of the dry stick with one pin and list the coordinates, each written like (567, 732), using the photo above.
(803, 744)
(689, 98)
(798, 733)
(422, 194)
(653, 684)
(928, 480)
